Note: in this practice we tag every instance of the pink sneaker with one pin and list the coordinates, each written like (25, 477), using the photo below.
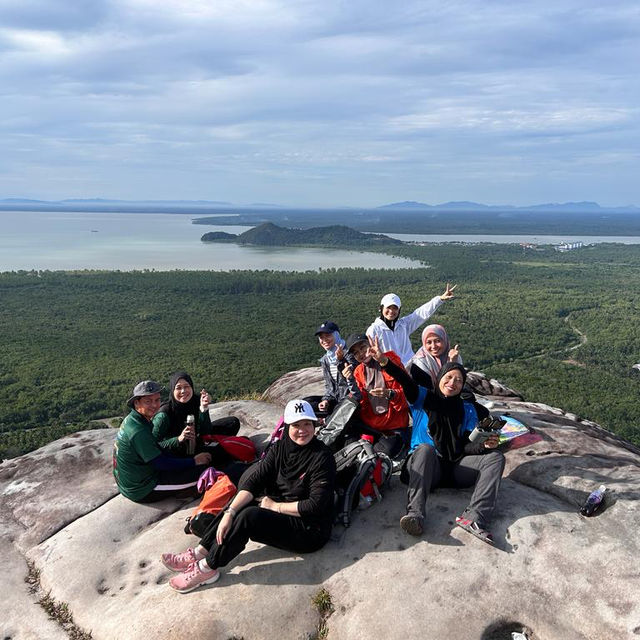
(192, 578)
(179, 561)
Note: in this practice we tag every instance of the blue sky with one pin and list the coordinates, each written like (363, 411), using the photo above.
(357, 102)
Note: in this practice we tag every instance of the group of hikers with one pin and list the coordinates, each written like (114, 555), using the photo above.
(286, 498)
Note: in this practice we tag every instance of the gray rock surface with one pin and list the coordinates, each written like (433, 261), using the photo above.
(557, 574)
(295, 384)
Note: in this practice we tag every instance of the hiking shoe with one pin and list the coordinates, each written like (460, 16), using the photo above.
(413, 525)
(192, 578)
(179, 561)
(474, 529)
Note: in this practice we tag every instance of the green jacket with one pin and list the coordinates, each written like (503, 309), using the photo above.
(166, 436)
(134, 449)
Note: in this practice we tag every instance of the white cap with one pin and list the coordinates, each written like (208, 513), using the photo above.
(298, 410)
(389, 299)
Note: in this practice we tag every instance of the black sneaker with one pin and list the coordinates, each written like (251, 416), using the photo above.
(413, 525)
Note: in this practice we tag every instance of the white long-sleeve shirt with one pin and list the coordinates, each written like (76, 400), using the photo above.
(398, 339)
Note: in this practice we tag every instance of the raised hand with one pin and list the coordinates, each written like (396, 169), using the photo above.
(205, 400)
(374, 349)
(454, 353)
(448, 292)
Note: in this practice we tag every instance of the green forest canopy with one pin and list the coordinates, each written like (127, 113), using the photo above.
(74, 344)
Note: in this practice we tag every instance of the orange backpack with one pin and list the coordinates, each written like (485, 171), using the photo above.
(214, 500)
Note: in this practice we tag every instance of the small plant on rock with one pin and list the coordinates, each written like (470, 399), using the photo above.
(323, 603)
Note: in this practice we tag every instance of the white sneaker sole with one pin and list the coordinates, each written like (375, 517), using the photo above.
(211, 580)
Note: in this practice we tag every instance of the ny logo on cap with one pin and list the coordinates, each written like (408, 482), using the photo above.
(299, 408)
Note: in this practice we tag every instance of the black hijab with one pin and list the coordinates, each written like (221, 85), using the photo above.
(446, 415)
(296, 459)
(178, 411)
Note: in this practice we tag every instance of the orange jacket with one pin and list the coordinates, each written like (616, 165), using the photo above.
(397, 414)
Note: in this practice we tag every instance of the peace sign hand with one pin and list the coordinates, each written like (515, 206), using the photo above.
(448, 292)
(374, 349)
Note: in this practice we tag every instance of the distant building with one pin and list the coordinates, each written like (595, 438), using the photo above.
(569, 246)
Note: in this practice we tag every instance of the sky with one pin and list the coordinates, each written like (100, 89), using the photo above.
(324, 103)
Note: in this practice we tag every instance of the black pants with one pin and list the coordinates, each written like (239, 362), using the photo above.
(175, 483)
(265, 526)
(228, 426)
(393, 443)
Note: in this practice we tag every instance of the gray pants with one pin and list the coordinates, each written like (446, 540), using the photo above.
(426, 473)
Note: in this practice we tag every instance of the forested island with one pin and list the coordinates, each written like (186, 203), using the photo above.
(559, 328)
(268, 234)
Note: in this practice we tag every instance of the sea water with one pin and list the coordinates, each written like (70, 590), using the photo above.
(71, 240)
(135, 241)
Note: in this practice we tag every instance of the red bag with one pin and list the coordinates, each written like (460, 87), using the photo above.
(214, 500)
(238, 447)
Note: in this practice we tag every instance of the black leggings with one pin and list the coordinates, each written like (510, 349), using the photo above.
(265, 526)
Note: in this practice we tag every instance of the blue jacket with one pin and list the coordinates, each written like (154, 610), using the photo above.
(421, 435)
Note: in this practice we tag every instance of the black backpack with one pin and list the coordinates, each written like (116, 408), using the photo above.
(362, 476)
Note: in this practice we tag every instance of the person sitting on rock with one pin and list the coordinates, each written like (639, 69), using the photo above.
(441, 452)
(435, 352)
(336, 386)
(170, 427)
(384, 413)
(296, 478)
(143, 472)
(394, 332)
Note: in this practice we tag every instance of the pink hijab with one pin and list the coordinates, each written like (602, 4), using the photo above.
(424, 360)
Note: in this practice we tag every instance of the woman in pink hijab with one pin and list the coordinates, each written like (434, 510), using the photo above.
(435, 352)
(431, 357)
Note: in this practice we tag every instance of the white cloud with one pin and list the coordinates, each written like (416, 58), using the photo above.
(365, 100)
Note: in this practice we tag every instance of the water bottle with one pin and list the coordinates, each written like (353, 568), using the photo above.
(191, 442)
(594, 501)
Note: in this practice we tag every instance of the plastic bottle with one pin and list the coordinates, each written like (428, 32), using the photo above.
(594, 501)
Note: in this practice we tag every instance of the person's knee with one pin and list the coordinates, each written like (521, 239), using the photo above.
(248, 517)
(421, 454)
(494, 460)
(421, 464)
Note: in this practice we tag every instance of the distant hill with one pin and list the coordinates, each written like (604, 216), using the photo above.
(187, 206)
(574, 207)
(271, 235)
